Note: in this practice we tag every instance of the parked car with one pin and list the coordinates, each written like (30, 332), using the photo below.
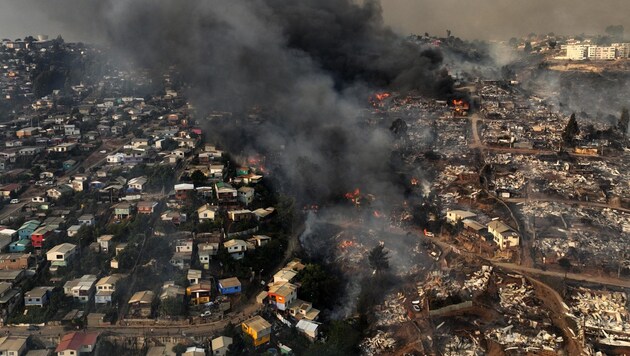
(32, 328)
(14, 201)
(206, 314)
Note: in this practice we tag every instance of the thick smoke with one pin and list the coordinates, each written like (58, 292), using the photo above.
(302, 63)
(307, 67)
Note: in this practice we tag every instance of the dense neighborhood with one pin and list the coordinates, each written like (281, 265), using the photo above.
(494, 218)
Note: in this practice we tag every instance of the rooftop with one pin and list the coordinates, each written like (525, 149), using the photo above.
(76, 340)
(229, 282)
(258, 324)
(62, 248)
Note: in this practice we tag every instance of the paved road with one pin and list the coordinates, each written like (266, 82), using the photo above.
(580, 277)
(474, 118)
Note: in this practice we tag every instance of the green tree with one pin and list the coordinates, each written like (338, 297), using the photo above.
(528, 47)
(169, 144)
(378, 258)
(624, 122)
(172, 307)
(198, 177)
(571, 131)
(343, 339)
(318, 285)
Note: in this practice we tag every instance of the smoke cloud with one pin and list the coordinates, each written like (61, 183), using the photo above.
(309, 66)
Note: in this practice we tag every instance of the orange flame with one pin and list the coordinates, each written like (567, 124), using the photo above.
(415, 181)
(460, 105)
(346, 244)
(382, 96)
(353, 195)
(377, 214)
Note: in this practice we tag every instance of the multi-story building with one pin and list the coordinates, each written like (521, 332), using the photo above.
(623, 49)
(602, 53)
(577, 52)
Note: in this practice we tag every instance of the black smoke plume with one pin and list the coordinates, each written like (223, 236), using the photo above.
(309, 65)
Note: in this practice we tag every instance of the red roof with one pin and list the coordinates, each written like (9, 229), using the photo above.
(75, 341)
(10, 187)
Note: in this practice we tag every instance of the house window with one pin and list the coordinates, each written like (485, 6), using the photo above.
(60, 257)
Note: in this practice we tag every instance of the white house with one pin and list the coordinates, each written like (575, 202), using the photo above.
(453, 216)
(116, 158)
(105, 242)
(73, 230)
(206, 251)
(12, 345)
(61, 255)
(137, 183)
(504, 236)
(220, 345)
(105, 288)
(236, 248)
(207, 212)
(80, 289)
(308, 328)
(87, 219)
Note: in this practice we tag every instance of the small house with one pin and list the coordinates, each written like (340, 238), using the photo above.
(80, 289)
(105, 242)
(236, 248)
(207, 212)
(183, 191)
(199, 293)
(77, 343)
(282, 294)
(123, 210)
(61, 255)
(140, 304)
(258, 328)
(146, 207)
(220, 345)
(229, 286)
(38, 296)
(503, 235)
(87, 220)
(246, 195)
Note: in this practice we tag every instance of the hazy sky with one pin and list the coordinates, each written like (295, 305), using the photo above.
(484, 19)
(501, 19)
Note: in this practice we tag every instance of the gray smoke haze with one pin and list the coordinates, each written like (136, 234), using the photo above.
(502, 19)
(477, 19)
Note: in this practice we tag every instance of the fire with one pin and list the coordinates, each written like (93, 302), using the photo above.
(415, 181)
(382, 96)
(378, 214)
(460, 105)
(353, 195)
(346, 244)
